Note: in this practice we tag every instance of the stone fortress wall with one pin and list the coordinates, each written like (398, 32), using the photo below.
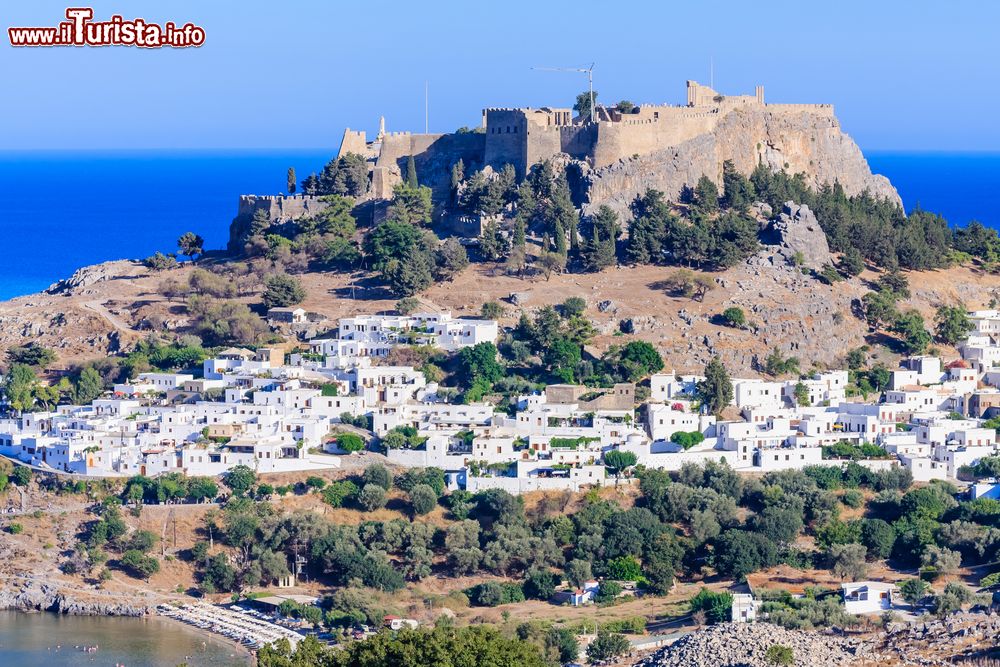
(664, 146)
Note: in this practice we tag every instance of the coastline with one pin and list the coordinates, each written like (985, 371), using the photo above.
(38, 597)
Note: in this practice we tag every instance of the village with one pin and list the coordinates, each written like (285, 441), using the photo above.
(280, 412)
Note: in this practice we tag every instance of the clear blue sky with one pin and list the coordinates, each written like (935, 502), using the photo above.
(292, 74)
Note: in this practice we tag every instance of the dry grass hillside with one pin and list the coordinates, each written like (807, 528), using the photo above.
(795, 312)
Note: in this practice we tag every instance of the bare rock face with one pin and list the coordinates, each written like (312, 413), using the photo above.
(804, 141)
(797, 231)
(90, 275)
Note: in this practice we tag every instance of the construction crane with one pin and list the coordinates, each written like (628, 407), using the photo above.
(589, 71)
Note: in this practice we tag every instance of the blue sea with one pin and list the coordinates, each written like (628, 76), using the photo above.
(62, 210)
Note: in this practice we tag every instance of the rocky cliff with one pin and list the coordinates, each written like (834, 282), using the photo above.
(796, 141)
(30, 594)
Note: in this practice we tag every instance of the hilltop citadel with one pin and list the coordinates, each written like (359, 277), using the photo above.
(616, 156)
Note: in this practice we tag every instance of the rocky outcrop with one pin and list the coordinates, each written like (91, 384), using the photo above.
(804, 141)
(746, 645)
(34, 595)
(91, 275)
(798, 233)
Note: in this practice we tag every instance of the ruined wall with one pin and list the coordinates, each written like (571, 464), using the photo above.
(280, 207)
(433, 156)
(796, 138)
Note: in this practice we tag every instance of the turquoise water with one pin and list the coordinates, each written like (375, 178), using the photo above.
(51, 640)
(62, 210)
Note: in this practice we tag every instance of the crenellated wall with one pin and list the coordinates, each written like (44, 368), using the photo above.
(663, 146)
(796, 138)
(280, 207)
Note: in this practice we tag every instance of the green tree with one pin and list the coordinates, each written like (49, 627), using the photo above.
(738, 191)
(376, 473)
(291, 180)
(19, 387)
(913, 590)
(190, 244)
(88, 386)
(952, 324)
(607, 646)
(734, 317)
(407, 305)
(479, 362)
(411, 172)
(423, 499)
(491, 310)
(848, 561)
(578, 572)
(451, 258)
(910, 326)
(601, 232)
(139, 564)
(410, 204)
(583, 102)
(350, 442)
(32, 354)
(878, 536)
(801, 393)
(852, 263)
(895, 284)
(473, 646)
(574, 306)
(662, 560)
(717, 607)
(282, 290)
(21, 476)
(739, 553)
(633, 361)
(706, 196)
(619, 461)
(716, 391)
(240, 479)
(880, 309)
(372, 497)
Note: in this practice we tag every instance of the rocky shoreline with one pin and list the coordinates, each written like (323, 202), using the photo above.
(32, 595)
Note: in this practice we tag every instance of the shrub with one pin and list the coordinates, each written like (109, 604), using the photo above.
(716, 606)
(337, 493)
(492, 594)
(734, 317)
(282, 290)
(423, 499)
(21, 476)
(372, 497)
(407, 305)
(378, 474)
(139, 565)
(852, 498)
(350, 442)
(779, 654)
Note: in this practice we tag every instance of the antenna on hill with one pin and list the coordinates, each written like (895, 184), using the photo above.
(426, 107)
(711, 72)
(589, 71)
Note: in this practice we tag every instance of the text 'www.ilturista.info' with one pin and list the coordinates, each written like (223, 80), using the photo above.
(80, 30)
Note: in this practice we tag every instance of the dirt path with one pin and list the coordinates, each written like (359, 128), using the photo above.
(119, 325)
